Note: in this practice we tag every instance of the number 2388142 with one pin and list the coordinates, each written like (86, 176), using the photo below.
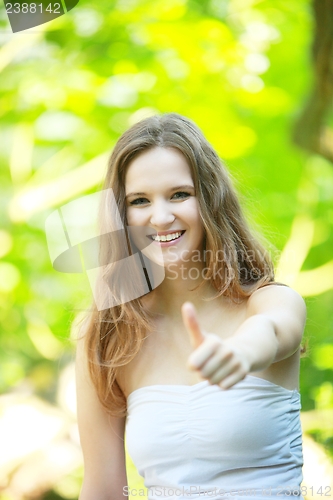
(32, 8)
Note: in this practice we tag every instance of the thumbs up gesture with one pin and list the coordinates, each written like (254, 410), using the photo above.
(222, 362)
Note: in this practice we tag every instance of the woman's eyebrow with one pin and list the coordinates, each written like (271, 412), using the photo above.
(185, 186)
(134, 194)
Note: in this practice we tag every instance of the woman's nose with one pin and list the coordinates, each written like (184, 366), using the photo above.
(161, 215)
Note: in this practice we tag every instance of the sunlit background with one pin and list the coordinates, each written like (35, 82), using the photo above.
(241, 69)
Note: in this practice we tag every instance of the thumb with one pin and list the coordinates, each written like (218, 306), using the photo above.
(191, 324)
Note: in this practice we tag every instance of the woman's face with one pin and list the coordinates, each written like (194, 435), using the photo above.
(161, 200)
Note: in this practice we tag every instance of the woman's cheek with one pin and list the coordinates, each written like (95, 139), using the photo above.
(130, 214)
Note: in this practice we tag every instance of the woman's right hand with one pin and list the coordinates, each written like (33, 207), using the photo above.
(217, 360)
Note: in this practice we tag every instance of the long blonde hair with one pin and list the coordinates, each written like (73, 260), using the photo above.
(115, 334)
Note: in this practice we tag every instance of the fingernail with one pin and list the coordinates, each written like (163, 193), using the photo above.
(193, 363)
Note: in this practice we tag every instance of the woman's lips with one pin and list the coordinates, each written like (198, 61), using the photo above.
(167, 243)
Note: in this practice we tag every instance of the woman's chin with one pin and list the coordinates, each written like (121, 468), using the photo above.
(162, 260)
(154, 255)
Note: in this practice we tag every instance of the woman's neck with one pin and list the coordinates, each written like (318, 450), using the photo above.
(170, 295)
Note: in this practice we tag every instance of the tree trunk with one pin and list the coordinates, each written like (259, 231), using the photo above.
(311, 131)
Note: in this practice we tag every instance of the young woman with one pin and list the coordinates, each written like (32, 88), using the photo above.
(201, 368)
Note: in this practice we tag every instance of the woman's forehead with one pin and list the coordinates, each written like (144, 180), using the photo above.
(164, 165)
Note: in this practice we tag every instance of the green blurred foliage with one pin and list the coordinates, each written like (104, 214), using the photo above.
(240, 69)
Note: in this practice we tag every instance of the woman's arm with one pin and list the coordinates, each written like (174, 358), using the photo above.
(102, 440)
(271, 332)
(274, 326)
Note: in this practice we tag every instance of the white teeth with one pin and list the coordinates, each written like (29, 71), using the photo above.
(167, 237)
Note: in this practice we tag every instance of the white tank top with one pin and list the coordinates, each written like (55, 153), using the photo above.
(200, 441)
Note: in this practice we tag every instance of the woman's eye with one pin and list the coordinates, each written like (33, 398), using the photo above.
(139, 201)
(181, 194)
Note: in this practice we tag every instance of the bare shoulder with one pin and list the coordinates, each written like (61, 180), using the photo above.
(275, 297)
(286, 309)
(87, 397)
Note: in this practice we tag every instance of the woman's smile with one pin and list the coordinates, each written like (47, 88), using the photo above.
(166, 239)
